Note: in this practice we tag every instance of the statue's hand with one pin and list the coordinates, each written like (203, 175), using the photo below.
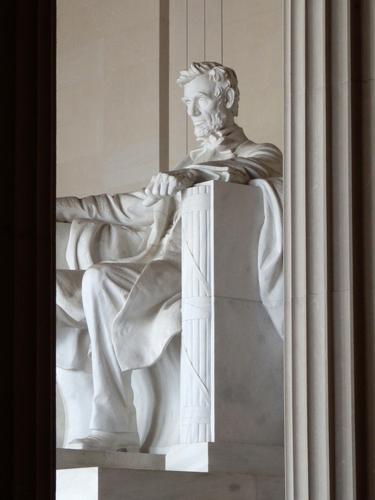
(163, 185)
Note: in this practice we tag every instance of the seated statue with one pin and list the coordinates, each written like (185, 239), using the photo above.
(118, 305)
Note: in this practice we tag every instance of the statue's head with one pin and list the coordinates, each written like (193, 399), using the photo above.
(211, 96)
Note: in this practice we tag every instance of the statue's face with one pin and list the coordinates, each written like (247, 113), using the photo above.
(206, 110)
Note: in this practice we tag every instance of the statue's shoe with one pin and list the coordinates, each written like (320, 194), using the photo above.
(107, 441)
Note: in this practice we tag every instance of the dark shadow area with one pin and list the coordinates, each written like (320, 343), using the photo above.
(27, 243)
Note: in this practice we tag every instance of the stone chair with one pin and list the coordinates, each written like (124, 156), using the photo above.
(214, 400)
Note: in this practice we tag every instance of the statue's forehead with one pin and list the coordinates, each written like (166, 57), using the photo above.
(201, 84)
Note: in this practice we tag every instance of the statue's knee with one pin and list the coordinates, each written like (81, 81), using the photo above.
(94, 277)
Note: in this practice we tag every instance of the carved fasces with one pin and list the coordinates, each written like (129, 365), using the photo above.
(196, 316)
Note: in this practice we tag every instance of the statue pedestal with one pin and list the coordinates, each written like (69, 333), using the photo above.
(90, 475)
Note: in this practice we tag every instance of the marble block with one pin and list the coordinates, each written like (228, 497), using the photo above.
(77, 484)
(97, 483)
(232, 356)
(227, 457)
(68, 459)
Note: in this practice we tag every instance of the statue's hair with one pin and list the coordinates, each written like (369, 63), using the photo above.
(223, 76)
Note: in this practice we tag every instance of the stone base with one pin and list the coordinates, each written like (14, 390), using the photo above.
(227, 457)
(233, 472)
(69, 459)
(97, 483)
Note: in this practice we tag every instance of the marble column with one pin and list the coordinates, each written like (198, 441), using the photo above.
(329, 185)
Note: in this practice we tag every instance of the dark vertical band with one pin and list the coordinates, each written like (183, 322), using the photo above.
(359, 252)
(27, 234)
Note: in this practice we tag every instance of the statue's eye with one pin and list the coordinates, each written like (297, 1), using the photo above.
(202, 100)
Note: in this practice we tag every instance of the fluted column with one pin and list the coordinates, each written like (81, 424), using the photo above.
(195, 395)
(324, 329)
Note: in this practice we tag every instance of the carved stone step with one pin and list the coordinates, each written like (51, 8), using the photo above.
(96, 483)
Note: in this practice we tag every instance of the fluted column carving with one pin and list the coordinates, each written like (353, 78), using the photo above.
(325, 224)
(196, 316)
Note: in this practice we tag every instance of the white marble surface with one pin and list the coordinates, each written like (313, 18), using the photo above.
(247, 402)
(77, 484)
(114, 484)
(227, 457)
(136, 485)
(232, 361)
(248, 390)
(238, 216)
(128, 246)
(67, 459)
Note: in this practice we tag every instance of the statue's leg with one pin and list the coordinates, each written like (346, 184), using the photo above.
(72, 340)
(105, 288)
(75, 391)
(73, 373)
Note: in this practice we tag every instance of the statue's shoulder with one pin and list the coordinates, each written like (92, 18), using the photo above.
(265, 150)
(264, 159)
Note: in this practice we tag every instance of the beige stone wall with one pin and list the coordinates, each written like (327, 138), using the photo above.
(252, 44)
(108, 73)
(107, 95)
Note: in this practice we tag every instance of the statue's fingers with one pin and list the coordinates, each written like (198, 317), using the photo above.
(163, 191)
(172, 186)
(155, 191)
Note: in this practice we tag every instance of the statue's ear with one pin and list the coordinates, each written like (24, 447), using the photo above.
(229, 98)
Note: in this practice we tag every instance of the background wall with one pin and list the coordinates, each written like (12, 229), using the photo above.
(107, 94)
(119, 113)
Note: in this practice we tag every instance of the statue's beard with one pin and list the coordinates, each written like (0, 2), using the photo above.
(203, 130)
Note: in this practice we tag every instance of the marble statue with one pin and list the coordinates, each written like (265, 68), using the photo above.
(119, 304)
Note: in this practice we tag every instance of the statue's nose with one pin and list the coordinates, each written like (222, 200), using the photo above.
(193, 109)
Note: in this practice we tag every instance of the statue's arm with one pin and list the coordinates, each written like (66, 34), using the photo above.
(168, 184)
(224, 171)
(112, 209)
